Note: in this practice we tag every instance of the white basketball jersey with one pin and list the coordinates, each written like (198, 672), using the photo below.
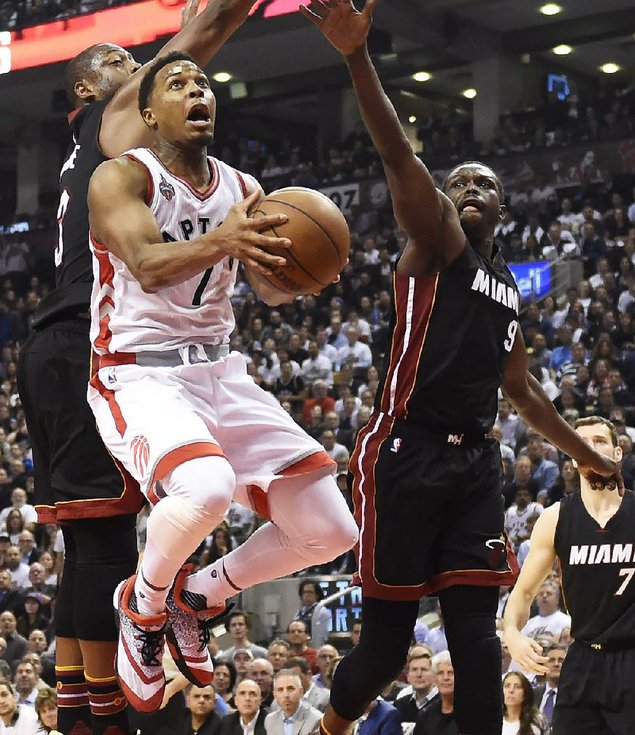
(198, 311)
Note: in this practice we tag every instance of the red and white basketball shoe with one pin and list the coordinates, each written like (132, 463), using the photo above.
(140, 650)
(188, 632)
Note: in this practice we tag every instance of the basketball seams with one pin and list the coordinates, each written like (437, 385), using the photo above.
(312, 219)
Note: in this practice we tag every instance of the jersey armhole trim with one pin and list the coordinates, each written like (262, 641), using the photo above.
(242, 183)
(149, 181)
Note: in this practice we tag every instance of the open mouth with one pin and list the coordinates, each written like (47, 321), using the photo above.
(471, 205)
(199, 115)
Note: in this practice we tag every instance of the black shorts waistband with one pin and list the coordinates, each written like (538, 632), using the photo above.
(608, 647)
(439, 435)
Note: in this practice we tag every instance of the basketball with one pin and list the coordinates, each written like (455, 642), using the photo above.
(319, 235)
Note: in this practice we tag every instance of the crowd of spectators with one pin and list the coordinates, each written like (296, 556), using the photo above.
(321, 358)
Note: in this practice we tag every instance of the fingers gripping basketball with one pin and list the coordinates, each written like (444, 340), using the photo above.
(319, 235)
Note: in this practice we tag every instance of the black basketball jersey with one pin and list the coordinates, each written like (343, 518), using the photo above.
(452, 333)
(73, 259)
(598, 570)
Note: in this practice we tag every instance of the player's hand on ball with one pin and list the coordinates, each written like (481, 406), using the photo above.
(526, 652)
(343, 26)
(240, 236)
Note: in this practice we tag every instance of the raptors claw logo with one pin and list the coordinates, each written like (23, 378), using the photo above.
(140, 448)
(166, 189)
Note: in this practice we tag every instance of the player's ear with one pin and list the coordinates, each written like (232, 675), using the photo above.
(501, 211)
(617, 454)
(149, 119)
(84, 90)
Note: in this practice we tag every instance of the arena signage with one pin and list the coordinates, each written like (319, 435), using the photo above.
(533, 279)
(126, 25)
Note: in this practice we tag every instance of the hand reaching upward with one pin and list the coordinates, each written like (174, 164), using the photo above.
(344, 27)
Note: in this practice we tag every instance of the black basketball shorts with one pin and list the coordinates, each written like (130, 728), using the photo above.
(430, 512)
(596, 692)
(75, 476)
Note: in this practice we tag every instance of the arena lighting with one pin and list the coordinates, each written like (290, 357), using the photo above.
(422, 76)
(562, 50)
(610, 68)
(412, 119)
(550, 9)
(222, 77)
(126, 25)
(469, 93)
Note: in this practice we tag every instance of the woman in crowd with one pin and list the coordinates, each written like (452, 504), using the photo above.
(225, 680)
(520, 716)
(32, 618)
(46, 710)
(567, 483)
(14, 525)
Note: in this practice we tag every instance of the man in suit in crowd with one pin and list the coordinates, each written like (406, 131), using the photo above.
(381, 718)
(314, 695)
(545, 694)
(249, 719)
(294, 717)
(261, 671)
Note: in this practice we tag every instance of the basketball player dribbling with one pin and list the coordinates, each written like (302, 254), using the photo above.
(172, 403)
(426, 481)
(592, 534)
(77, 484)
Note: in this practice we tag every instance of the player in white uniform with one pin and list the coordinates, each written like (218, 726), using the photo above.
(168, 227)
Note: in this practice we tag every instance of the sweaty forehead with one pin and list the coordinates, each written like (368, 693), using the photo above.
(473, 169)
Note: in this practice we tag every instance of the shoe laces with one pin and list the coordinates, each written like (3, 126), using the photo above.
(205, 625)
(152, 643)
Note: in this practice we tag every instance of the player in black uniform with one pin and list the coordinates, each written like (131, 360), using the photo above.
(426, 481)
(77, 484)
(592, 533)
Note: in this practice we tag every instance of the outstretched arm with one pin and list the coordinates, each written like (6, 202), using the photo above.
(526, 652)
(529, 399)
(202, 36)
(426, 215)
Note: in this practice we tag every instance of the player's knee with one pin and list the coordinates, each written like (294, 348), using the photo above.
(341, 535)
(206, 482)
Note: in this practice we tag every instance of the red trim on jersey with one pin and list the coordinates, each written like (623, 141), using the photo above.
(109, 397)
(313, 462)
(242, 183)
(411, 329)
(365, 455)
(179, 456)
(200, 195)
(74, 113)
(149, 180)
(470, 577)
(106, 278)
(258, 501)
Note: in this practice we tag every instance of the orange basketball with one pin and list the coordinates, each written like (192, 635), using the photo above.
(319, 235)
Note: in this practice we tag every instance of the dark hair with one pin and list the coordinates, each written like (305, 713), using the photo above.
(529, 715)
(591, 420)
(238, 614)
(499, 183)
(147, 83)
(299, 662)
(319, 592)
(233, 675)
(44, 696)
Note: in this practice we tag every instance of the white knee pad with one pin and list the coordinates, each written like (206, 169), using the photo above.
(208, 483)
